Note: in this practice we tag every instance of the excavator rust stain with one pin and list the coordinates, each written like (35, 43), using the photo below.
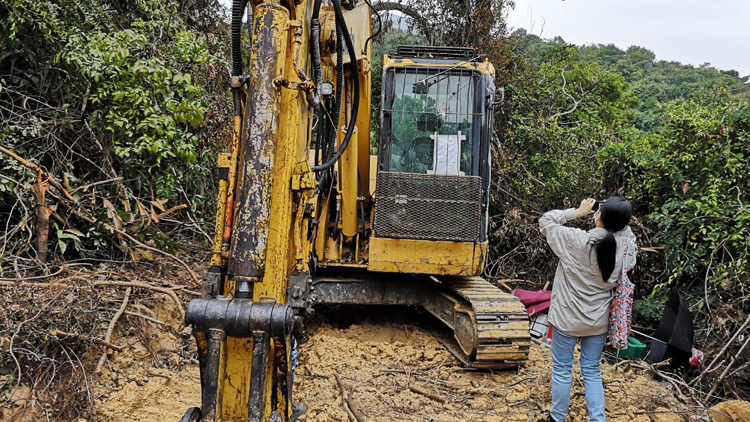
(253, 208)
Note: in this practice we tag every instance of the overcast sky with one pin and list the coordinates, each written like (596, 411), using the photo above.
(689, 31)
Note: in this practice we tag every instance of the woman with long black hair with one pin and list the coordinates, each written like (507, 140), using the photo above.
(590, 265)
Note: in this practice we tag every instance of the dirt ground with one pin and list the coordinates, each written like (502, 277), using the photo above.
(378, 358)
(382, 355)
(147, 383)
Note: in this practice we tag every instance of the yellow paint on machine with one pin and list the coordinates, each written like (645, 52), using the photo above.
(234, 386)
(426, 256)
(223, 162)
(349, 184)
(482, 66)
(237, 130)
(234, 389)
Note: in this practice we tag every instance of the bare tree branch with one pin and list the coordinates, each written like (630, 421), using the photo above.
(419, 21)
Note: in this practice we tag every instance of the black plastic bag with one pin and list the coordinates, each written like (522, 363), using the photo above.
(675, 333)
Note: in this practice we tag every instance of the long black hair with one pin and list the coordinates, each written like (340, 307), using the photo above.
(616, 213)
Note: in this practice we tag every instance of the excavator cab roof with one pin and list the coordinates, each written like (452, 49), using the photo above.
(439, 57)
(433, 52)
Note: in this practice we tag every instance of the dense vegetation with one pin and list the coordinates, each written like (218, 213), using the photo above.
(673, 138)
(111, 113)
(125, 105)
(124, 102)
(576, 123)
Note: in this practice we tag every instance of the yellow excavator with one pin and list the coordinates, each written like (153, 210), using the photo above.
(307, 217)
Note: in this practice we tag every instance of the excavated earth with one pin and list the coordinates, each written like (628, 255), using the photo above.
(155, 379)
(378, 358)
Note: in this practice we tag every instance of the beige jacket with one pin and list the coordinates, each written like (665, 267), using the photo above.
(580, 297)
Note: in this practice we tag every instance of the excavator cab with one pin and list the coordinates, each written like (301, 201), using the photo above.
(433, 160)
(428, 240)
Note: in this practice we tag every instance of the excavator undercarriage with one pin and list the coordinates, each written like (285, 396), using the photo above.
(489, 327)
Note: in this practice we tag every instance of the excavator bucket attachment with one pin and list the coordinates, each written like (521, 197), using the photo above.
(269, 325)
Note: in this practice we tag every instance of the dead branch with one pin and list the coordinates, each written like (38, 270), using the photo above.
(354, 414)
(144, 309)
(141, 285)
(101, 182)
(72, 210)
(147, 318)
(111, 228)
(677, 384)
(112, 323)
(38, 190)
(190, 217)
(710, 367)
(135, 284)
(157, 217)
(55, 216)
(415, 15)
(729, 366)
(156, 374)
(16, 283)
(354, 409)
(39, 277)
(39, 196)
(576, 103)
(192, 274)
(62, 335)
(431, 396)
(38, 170)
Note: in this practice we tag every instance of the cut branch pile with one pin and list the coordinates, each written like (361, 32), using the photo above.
(114, 226)
(56, 335)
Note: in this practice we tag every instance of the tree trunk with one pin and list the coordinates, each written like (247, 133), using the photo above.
(42, 221)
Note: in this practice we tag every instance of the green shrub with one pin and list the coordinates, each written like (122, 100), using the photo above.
(130, 94)
(691, 183)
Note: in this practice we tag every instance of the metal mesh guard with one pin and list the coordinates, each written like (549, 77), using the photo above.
(428, 207)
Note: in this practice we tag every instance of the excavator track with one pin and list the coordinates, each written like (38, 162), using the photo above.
(491, 327)
(482, 325)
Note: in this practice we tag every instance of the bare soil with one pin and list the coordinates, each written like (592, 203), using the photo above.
(378, 358)
(148, 382)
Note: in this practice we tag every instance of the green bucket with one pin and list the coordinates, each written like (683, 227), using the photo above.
(635, 350)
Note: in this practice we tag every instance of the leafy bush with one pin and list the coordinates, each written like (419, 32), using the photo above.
(558, 111)
(146, 108)
(123, 96)
(691, 183)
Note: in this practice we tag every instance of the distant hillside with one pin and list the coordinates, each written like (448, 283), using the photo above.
(652, 81)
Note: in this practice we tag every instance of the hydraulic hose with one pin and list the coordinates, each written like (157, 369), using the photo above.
(315, 47)
(339, 88)
(355, 84)
(316, 9)
(238, 10)
(380, 24)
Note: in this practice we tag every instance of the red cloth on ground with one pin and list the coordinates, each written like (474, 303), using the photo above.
(537, 308)
(536, 301)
